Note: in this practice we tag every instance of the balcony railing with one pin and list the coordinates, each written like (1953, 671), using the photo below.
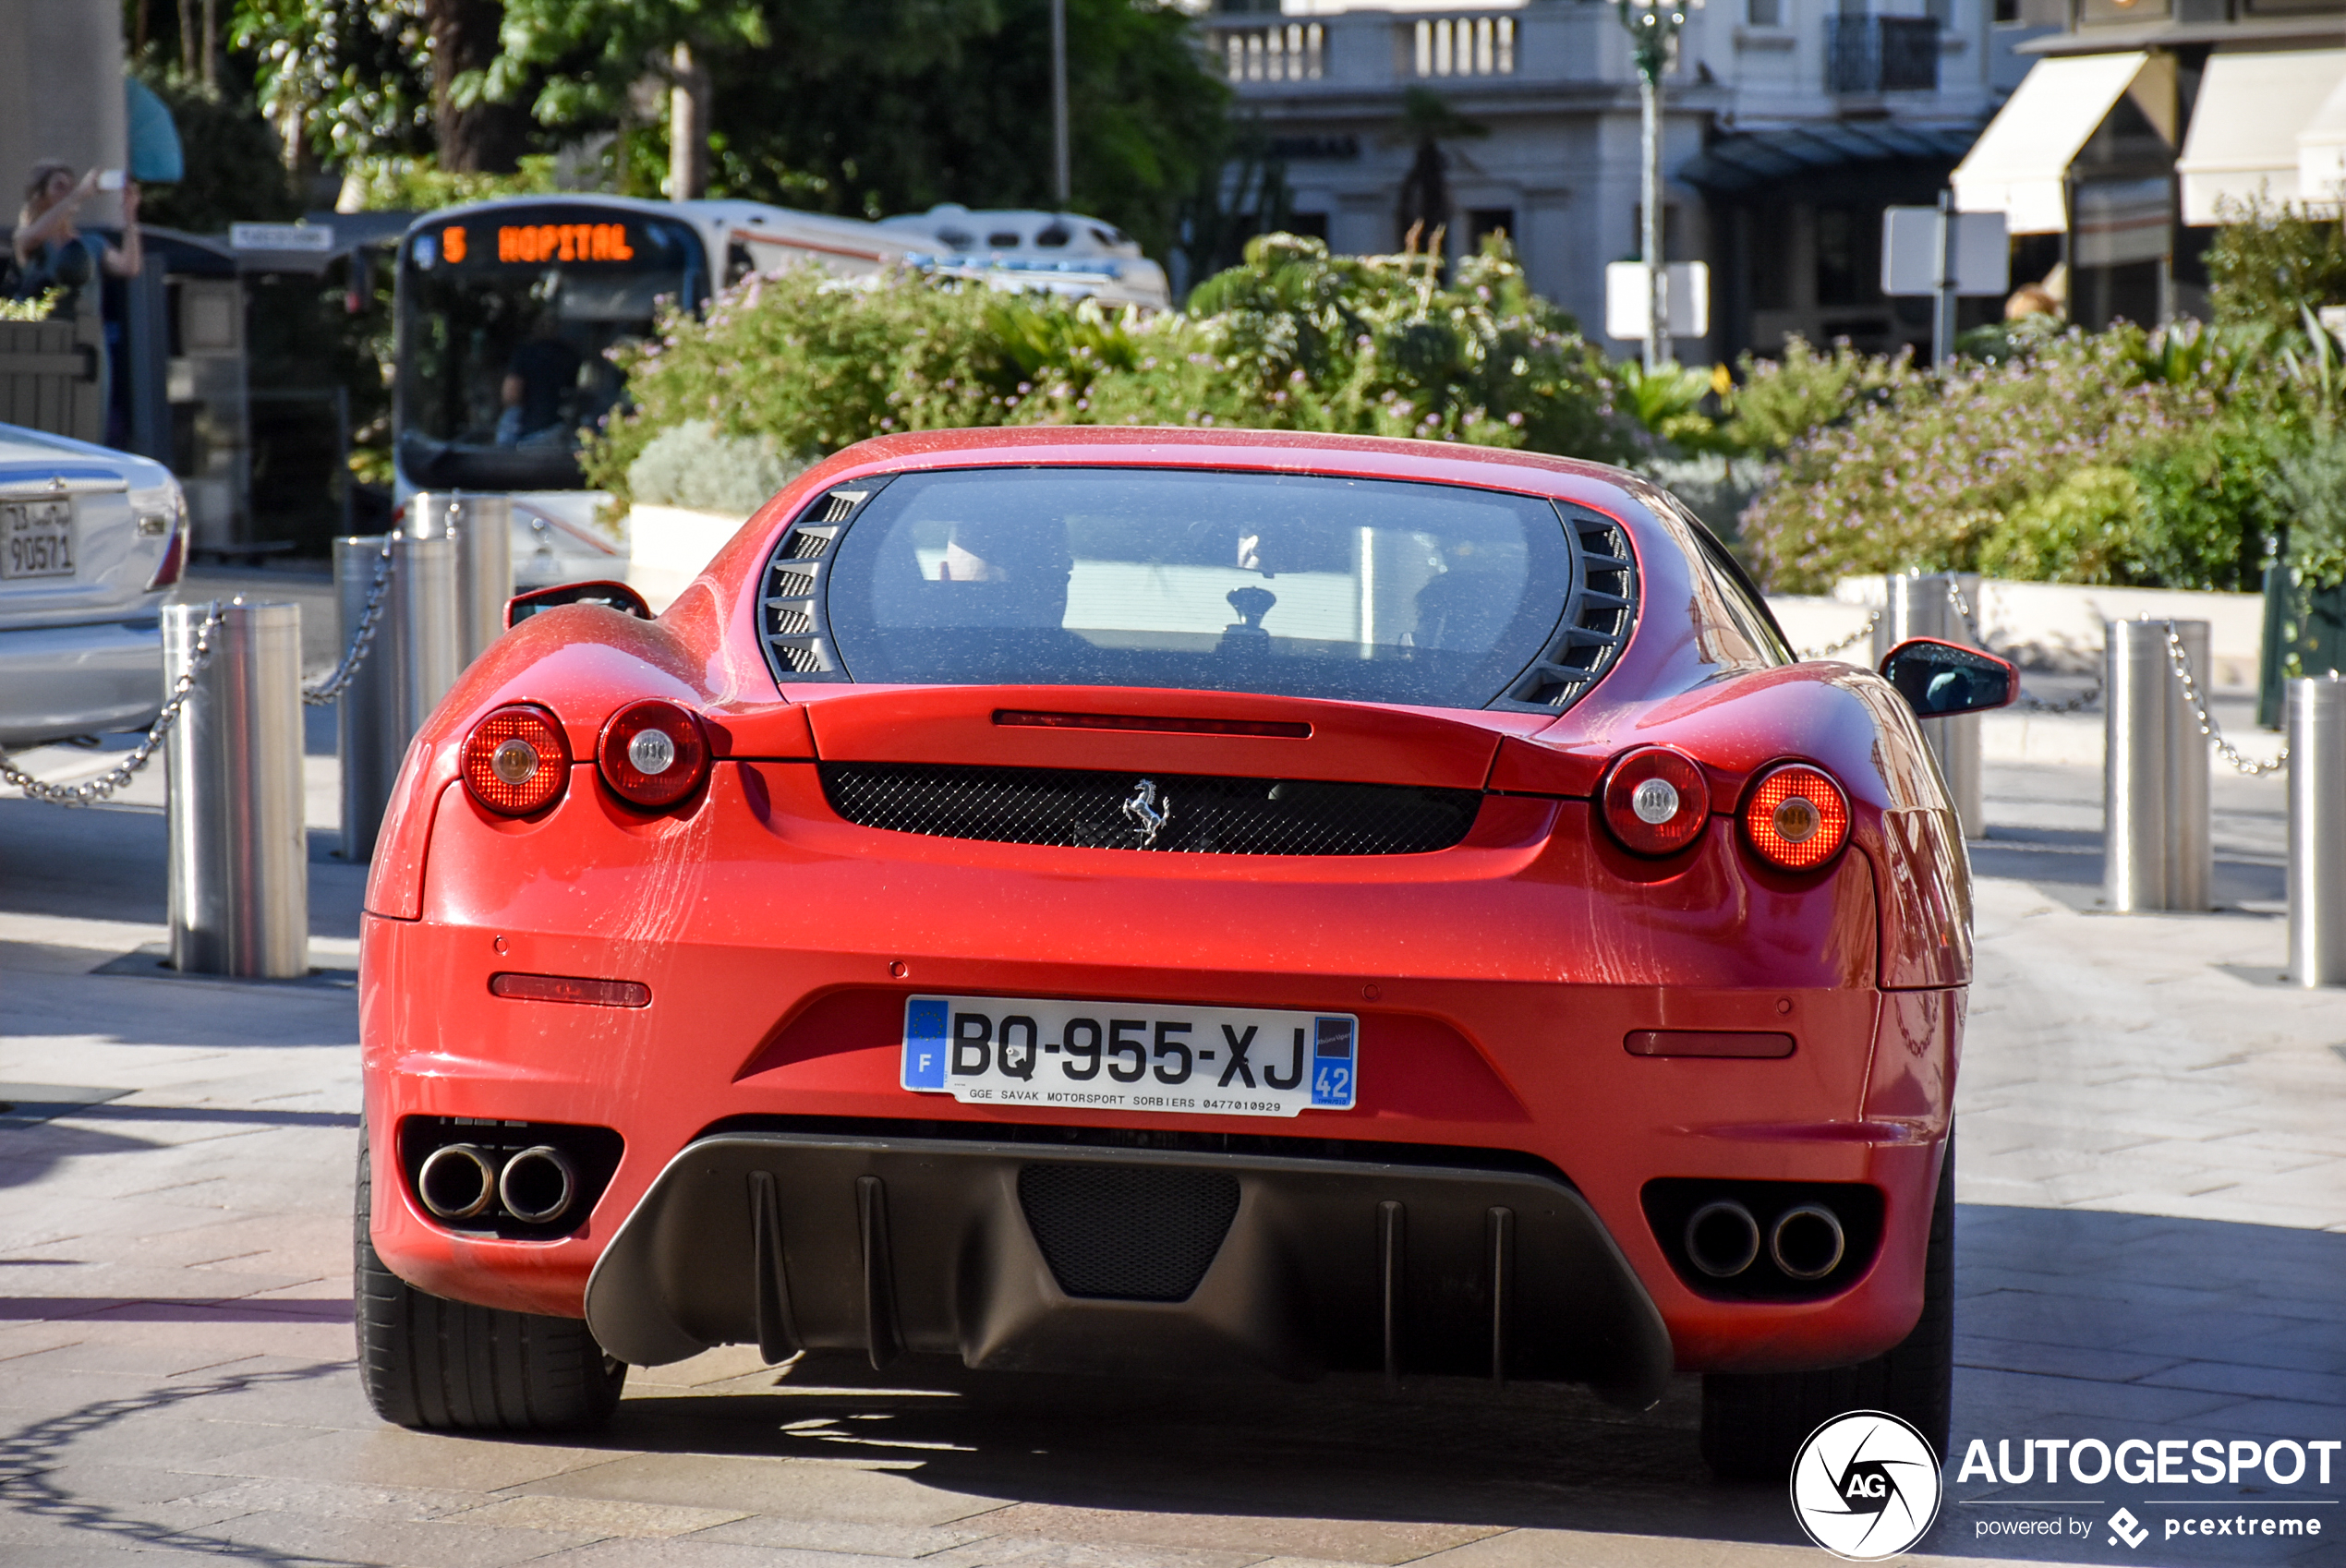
(1280, 51)
(1461, 46)
(1881, 53)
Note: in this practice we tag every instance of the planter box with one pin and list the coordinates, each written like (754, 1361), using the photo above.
(2052, 625)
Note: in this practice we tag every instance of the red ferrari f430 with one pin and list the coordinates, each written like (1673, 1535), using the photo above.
(1154, 902)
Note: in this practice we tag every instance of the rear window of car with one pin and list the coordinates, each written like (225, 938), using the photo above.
(1367, 590)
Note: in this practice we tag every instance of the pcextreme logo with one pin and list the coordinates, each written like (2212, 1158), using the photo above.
(1866, 1485)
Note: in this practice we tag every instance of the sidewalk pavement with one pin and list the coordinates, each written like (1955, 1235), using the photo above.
(2152, 1174)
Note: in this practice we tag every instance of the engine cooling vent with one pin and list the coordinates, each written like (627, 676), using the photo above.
(1596, 620)
(1185, 813)
(1127, 1233)
(797, 633)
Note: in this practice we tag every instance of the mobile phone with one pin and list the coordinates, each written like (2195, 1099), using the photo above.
(110, 179)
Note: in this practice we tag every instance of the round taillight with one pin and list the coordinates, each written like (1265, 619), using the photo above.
(516, 762)
(1797, 817)
(1655, 801)
(653, 753)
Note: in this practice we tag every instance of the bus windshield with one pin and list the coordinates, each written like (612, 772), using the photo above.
(505, 317)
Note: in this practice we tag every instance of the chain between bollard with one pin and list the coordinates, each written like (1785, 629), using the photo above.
(329, 690)
(2078, 703)
(91, 790)
(2026, 704)
(1872, 620)
(2179, 661)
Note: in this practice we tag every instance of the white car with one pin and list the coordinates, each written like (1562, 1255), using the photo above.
(90, 540)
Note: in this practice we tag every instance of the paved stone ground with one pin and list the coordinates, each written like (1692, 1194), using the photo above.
(2153, 1244)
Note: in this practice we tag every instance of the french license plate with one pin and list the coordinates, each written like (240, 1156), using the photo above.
(36, 538)
(1130, 1057)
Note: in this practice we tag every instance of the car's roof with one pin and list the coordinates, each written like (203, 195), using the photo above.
(1267, 450)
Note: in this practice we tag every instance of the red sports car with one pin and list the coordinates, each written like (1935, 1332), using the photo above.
(1164, 901)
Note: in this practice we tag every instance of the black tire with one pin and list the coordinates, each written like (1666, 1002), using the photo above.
(443, 1365)
(1753, 1424)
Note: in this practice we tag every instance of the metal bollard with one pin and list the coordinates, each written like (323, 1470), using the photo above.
(423, 619)
(482, 529)
(2316, 722)
(2157, 842)
(363, 718)
(1922, 606)
(407, 672)
(239, 879)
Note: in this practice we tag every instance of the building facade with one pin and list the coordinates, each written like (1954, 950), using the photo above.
(1788, 125)
(2143, 124)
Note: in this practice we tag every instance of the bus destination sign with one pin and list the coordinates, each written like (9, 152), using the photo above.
(531, 244)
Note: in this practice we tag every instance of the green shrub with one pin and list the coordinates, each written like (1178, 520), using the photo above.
(1298, 338)
(2312, 491)
(2080, 531)
(810, 365)
(1925, 468)
(1783, 400)
(692, 464)
(2210, 503)
(39, 307)
(2268, 264)
(1294, 339)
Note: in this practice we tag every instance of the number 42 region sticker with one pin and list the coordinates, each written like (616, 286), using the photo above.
(1331, 1063)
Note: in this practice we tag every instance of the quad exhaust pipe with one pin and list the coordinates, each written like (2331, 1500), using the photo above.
(1806, 1243)
(537, 1185)
(1723, 1239)
(458, 1181)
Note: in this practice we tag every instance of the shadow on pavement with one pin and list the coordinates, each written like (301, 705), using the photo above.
(29, 1455)
(2066, 863)
(151, 1310)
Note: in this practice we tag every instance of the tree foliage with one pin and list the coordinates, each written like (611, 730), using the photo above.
(234, 168)
(346, 77)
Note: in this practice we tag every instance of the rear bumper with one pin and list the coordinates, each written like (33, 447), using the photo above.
(90, 679)
(1495, 985)
(797, 1241)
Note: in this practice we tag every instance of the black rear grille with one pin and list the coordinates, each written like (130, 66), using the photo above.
(1127, 1233)
(1192, 813)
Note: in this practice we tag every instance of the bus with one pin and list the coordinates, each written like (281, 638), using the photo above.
(505, 310)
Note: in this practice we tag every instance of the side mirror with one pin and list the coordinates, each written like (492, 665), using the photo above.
(1941, 680)
(610, 595)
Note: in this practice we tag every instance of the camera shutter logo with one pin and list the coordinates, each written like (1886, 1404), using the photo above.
(1866, 1485)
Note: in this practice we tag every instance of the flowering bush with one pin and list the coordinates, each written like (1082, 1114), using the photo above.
(1294, 339)
(2110, 458)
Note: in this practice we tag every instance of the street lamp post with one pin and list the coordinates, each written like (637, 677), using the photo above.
(1060, 185)
(1653, 37)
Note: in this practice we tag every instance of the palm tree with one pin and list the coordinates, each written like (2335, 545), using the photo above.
(1428, 121)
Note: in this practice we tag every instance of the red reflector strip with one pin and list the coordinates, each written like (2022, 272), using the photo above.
(570, 988)
(1278, 728)
(1705, 1042)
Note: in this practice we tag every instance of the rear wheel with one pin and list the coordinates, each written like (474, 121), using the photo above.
(437, 1364)
(1753, 1424)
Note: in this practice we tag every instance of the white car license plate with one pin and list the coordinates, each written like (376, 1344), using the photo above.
(1130, 1056)
(36, 538)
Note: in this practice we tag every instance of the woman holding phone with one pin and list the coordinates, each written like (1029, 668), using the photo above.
(51, 252)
